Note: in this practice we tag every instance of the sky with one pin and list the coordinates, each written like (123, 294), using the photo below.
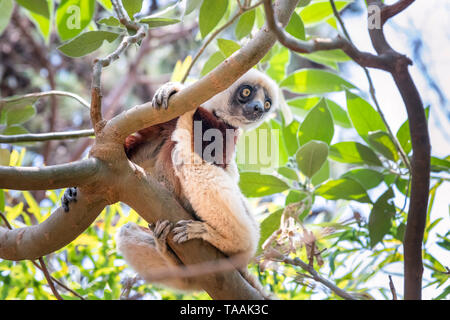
(429, 20)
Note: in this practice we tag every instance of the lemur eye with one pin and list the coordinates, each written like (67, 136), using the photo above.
(267, 105)
(246, 92)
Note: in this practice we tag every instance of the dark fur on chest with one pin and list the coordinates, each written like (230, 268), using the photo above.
(160, 134)
(217, 152)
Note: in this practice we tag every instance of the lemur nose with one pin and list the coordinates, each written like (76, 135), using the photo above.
(256, 107)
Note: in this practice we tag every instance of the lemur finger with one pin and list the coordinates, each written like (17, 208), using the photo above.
(162, 228)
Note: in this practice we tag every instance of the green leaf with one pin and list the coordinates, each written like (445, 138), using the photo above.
(347, 189)
(16, 102)
(20, 115)
(311, 156)
(227, 47)
(314, 81)
(6, 9)
(245, 24)
(295, 27)
(354, 152)
(317, 125)
(2, 200)
(403, 135)
(255, 184)
(154, 22)
(340, 116)
(320, 11)
(380, 219)
(72, 16)
(4, 158)
(214, 60)
(283, 155)
(110, 21)
(268, 226)
(364, 117)
(290, 140)
(106, 4)
(39, 7)
(211, 12)
(336, 55)
(87, 43)
(438, 165)
(383, 143)
(260, 149)
(191, 5)
(43, 23)
(295, 196)
(277, 65)
(132, 7)
(14, 130)
(368, 178)
(303, 3)
(322, 175)
(400, 233)
(287, 173)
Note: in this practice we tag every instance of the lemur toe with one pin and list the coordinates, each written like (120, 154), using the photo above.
(187, 229)
(162, 96)
(162, 229)
(70, 195)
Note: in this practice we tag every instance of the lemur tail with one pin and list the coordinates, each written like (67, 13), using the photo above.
(254, 282)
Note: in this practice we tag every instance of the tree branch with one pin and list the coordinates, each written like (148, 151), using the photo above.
(51, 177)
(194, 95)
(388, 11)
(315, 275)
(61, 228)
(241, 11)
(35, 137)
(420, 162)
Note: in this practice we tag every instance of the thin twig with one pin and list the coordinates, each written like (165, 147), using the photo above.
(49, 279)
(366, 59)
(372, 91)
(37, 95)
(240, 11)
(391, 286)
(34, 137)
(388, 11)
(315, 275)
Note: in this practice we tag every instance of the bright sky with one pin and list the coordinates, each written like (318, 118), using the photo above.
(430, 21)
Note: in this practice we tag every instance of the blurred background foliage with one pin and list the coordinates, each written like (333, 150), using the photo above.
(337, 165)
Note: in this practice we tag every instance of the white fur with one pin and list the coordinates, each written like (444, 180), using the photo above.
(214, 195)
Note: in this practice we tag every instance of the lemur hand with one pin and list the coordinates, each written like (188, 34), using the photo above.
(162, 95)
(70, 195)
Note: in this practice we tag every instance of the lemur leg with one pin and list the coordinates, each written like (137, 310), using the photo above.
(70, 195)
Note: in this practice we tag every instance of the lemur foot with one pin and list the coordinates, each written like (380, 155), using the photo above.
(160, 231)
(70, 195)
(163, 94)
(188, 229)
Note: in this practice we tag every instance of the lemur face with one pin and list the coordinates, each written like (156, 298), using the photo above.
(247, 102)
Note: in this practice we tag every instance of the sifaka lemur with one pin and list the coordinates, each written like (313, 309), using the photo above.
(204, 180)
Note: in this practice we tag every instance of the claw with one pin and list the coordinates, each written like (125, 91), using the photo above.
(188, 229)
(163, 94)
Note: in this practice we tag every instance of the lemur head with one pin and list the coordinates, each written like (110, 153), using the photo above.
(247, 102)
